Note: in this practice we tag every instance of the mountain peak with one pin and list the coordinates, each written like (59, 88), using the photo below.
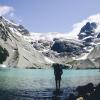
(3, 19)
(77, 27)
(13, 26)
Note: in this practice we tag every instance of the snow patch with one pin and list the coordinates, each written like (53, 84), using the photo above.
(85, 56)
(15, 31)
(87, 37)
(48, 60)
(3, 66)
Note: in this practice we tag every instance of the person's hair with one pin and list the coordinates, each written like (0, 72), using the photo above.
(55, 65)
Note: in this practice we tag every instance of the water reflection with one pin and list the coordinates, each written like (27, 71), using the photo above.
(41, 83)
(57, 94)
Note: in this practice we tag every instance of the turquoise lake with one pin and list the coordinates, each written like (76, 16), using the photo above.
(34, 79)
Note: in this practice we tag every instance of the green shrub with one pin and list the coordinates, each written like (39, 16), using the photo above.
(3, 54)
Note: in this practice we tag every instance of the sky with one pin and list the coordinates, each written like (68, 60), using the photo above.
(48, 15)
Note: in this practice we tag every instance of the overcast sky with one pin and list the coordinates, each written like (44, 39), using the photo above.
(49, 15)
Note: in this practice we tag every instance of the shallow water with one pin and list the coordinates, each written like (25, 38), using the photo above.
(31, 83)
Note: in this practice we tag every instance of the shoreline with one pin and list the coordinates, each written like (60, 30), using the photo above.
(89, 91)
(50, 68)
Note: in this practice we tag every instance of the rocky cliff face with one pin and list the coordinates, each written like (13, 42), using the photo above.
(71, 48)
(14, 50)
(71, 51)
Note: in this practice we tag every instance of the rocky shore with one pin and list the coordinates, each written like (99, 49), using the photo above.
(86, 92)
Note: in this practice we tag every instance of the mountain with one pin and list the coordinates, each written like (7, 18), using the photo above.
(76, 49)
(73, 48)
(14, 50)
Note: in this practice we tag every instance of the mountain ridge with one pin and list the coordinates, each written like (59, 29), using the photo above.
(37, 50)
(21, 53)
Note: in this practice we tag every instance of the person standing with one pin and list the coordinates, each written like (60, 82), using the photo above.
(57, 72)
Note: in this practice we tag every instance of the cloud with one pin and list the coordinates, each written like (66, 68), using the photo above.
(4, 10)
(12, 14)
(77, 27)
(9, 13)
(73, 34)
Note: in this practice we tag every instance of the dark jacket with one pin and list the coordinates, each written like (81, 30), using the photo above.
(58, 71)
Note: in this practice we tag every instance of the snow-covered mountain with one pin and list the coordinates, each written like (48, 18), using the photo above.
(14, 50)
(19, 48)
(67, 47)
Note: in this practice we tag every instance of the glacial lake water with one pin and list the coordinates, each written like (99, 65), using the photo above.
(39, 84)
(36, 79)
